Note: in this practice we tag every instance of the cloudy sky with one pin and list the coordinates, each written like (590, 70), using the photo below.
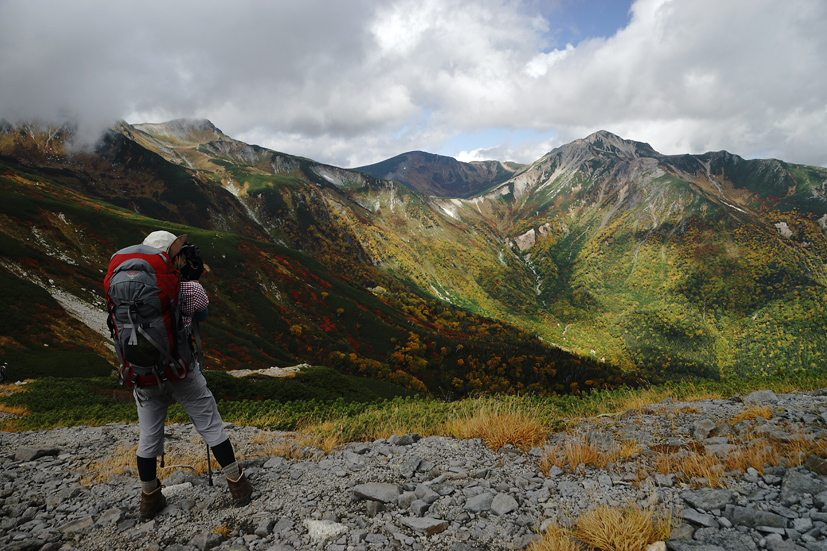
(353, 82)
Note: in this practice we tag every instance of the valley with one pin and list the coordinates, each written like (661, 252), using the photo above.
(602, 263)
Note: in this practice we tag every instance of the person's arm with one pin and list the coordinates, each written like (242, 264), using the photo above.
(200, 302)
(194, 301)
(200, 316)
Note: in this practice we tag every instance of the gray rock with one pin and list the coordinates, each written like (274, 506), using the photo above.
(354, 461)
(179, 547)
(692, 545)
(708, 499)
(376, 539)
(110, 516)
(443, 489)
(26, 545)
(283, 525)
(77, 526)
(796, 484)
(426, 494)
(555, 471)
(729, 540)
(761, 398)
(701, 519)
(783, 545)
(702, 428)
(503, 504)
(409, 466)
(265, 526)
(405, 499)
(751, 518)
(817, 546)
(480, 503)
(683, 531)
(718, 449)
(62, 495)
(385, 493)
(25, 453)
(324, 530)
(426, 525)
(206, 540)
(373, 508)
(275, 462)
(419, 507)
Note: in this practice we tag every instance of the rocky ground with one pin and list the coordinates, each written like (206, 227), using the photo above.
(65, 488)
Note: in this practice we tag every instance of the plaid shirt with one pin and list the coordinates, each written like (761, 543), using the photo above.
(192, 298)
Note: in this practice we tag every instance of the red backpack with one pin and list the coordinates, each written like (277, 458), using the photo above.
(141, 287)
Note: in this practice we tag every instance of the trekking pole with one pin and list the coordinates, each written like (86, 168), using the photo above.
(209, 463)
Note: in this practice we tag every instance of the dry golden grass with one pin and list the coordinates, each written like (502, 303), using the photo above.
(688, 409)
(556, 538)
(190, 455)
(9, 389)
(609, 529)
(290, 446)
(751, 413)
(757, 453)
(576, 450)
(192, 458)
(702, 394)
(11, 424)
(13, 410)
(644, 398)
(101, 470)
(499, 425)
(613, 529)
(641, 398)
(692, 465)
(223, 531)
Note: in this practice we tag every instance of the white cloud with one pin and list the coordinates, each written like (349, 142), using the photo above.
(351, 83)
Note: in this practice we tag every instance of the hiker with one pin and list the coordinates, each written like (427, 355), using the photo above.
(151, 318)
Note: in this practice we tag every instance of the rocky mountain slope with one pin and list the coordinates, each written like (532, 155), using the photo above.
(73, 488)
(290, 276)
(668, 265)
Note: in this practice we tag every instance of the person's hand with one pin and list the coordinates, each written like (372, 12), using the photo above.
(192, 270)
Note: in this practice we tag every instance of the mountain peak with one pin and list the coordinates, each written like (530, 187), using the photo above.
(438, 175)
(188, 130)
(604, 141)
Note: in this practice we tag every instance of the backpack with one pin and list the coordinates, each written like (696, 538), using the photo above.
(141, 287)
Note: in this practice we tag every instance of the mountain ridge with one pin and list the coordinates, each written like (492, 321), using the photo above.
(676, 265)
(440, 176)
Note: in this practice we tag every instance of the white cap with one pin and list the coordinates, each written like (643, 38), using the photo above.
(166, 241)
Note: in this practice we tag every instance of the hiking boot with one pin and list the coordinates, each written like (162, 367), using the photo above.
(241, 490)
(152, 503)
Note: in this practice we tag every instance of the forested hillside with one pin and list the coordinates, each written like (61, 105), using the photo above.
(601, 262)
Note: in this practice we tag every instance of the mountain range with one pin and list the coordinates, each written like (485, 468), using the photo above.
(601, 263)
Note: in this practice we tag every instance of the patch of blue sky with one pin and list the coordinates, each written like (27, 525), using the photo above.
(490, 138)
(572, 21)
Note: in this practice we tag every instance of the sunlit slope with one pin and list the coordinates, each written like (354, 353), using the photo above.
(328, 303)
(700, 264)
(678, 264)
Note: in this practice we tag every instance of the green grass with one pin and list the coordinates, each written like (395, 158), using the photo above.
(357, 412)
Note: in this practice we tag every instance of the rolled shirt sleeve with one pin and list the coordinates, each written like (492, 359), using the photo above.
(193, 300)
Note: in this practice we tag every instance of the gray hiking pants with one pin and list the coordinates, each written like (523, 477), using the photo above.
(196, 399)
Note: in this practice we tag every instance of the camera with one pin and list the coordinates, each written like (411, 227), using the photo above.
(193, 265)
